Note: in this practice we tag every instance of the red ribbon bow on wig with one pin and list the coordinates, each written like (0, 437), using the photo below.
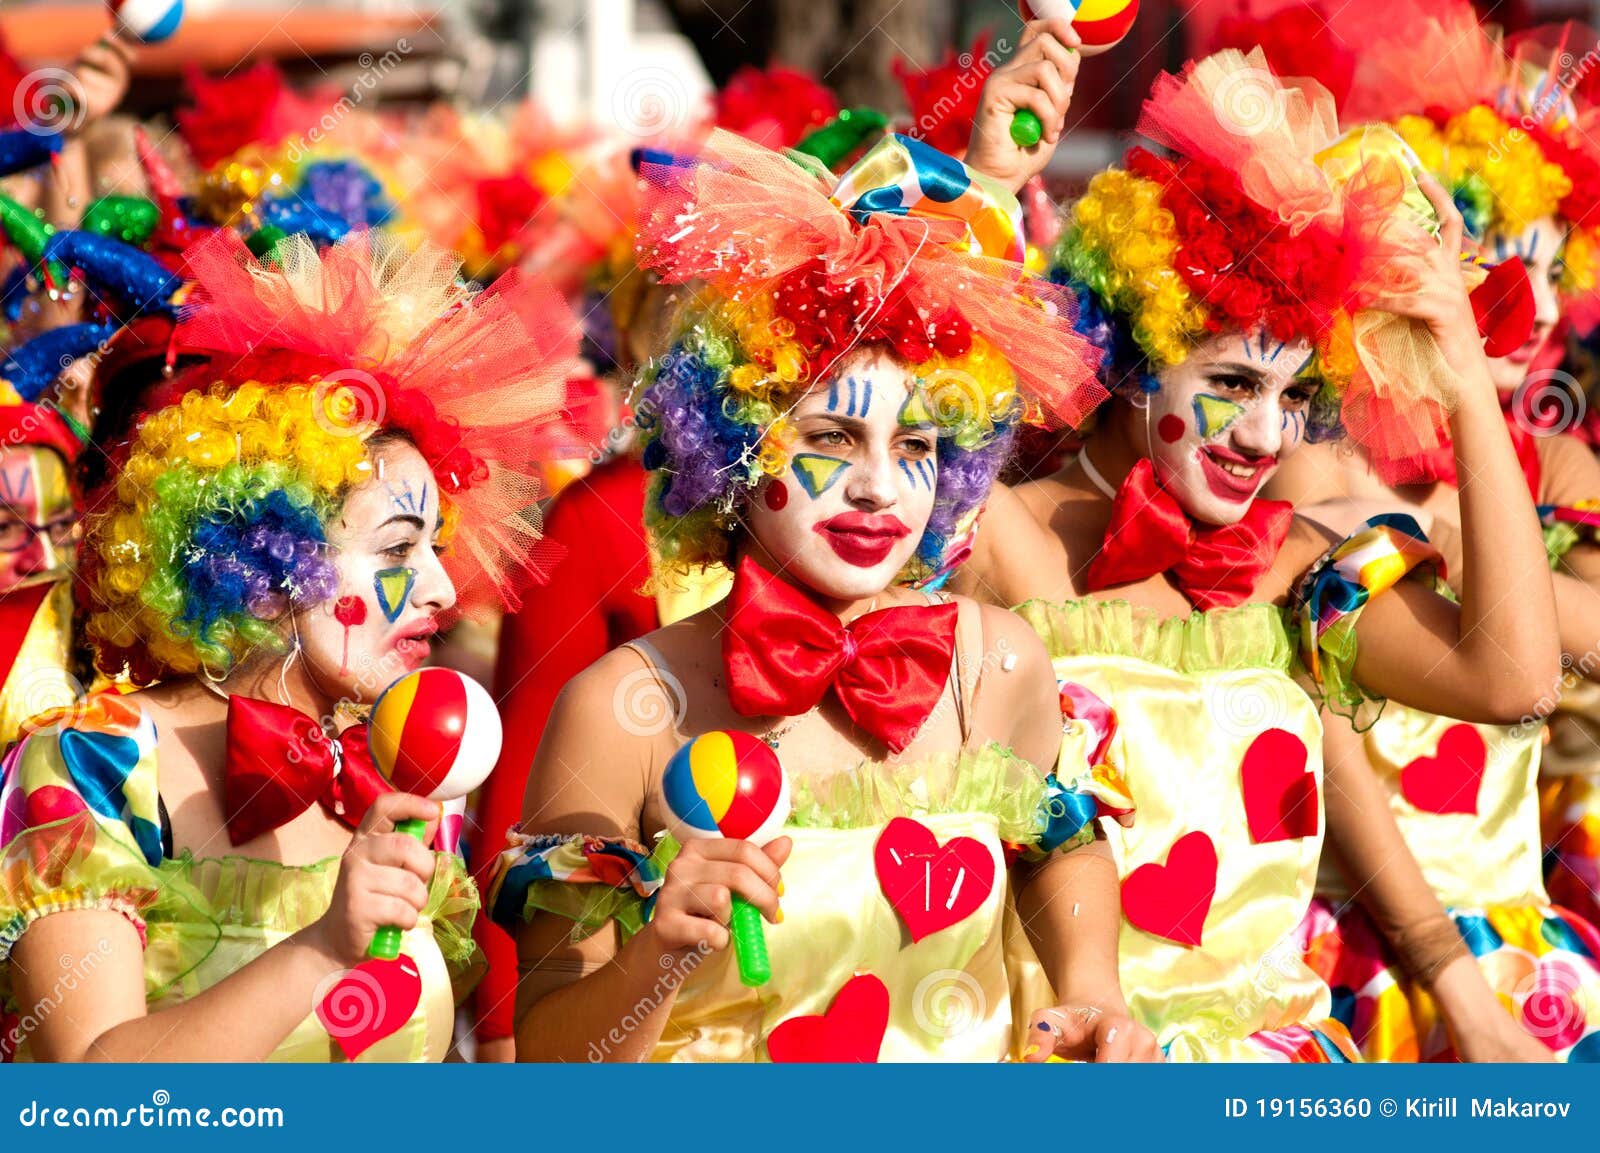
(1216, 567)
(280, 762)
(782, 654)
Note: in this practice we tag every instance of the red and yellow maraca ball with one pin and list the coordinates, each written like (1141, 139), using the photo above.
(435, 733)
(1100, 23)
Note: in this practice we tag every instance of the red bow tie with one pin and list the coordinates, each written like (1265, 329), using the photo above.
(1213, 567)
(783, 653)
(280, 763)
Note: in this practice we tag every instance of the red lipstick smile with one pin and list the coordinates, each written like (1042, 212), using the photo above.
(1246, 476)
(862, 540)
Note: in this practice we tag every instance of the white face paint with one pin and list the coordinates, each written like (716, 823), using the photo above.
(1223, 419)
(392, 587)
(1539, 248)
(850, 508)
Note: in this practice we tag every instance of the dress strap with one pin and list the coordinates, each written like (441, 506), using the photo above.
(966, 661)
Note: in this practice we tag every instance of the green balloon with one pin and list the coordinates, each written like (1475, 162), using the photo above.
(1026, 130)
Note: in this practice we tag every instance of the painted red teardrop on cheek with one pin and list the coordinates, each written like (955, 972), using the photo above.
(777, 495)
(1170, 428)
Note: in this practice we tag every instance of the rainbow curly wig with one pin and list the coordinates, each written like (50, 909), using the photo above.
(792, 281)
(712, 419)
(216, 531)
(213, 531)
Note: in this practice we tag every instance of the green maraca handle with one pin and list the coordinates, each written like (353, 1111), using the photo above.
(750, 944)
(386, 941)
(1026, 130)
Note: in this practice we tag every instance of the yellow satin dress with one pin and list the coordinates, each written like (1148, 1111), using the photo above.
(1465, 800)
(962, 993)
(1173, 707)
(81, 828)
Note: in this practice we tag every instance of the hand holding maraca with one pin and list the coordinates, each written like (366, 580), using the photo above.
(434, 735)
(383, 879)
(1037, 81)
(727, 798)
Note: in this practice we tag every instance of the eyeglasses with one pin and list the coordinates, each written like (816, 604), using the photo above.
(16, 535)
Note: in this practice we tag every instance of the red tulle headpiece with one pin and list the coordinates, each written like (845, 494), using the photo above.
(392, 340)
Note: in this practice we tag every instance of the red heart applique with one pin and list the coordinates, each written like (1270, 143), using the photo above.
(850, 1032)
(370, 1002)
(1280, 796)
(931, 886)
(1172, 900)
(1448, 781)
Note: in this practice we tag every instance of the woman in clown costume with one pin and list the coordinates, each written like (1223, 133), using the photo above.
(1250, 299)
(279, 544)
(828, 416)
(1503, 129)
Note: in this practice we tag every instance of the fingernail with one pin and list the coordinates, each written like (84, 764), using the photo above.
(780, 888)
(1111, 1034)
(778, 919)
(1030, 1050)
(1044, 1027)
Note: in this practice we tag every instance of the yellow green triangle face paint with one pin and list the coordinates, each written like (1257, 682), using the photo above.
(393, 586)
(1213, 415)
(816, 472)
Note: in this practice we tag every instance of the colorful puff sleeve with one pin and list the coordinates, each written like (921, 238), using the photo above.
(1565, 526)
(80, 824)
(589, 880)
(1330, 597)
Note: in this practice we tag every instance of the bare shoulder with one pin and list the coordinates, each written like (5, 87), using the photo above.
(1004, 632)
(1570, 470)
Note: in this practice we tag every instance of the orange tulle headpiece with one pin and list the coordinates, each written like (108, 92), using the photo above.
(897, 252)
(390, 338)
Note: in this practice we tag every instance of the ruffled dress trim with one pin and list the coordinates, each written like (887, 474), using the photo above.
(1248, 636)
(182, 906)
(594, 880)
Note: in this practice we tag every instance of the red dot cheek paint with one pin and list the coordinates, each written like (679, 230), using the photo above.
(1171, 428)
(777, 495)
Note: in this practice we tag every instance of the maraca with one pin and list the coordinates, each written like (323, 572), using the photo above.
(145, 21)
(728, 784)
(1100, 24)
(434, 733)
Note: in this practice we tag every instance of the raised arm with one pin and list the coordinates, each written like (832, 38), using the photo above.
(1497, 657)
